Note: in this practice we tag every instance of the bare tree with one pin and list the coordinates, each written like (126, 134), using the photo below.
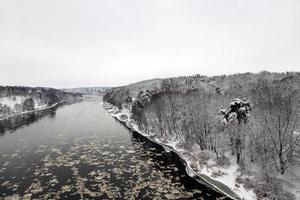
(279, 116)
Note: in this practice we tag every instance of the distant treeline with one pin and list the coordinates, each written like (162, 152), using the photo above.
(88, 90)
(30, 97)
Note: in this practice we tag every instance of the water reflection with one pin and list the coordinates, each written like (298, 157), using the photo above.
(13, 123)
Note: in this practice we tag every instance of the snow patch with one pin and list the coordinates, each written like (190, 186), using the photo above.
(11, 101)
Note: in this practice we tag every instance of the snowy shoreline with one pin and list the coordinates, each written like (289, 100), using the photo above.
(124, 117)
(35, 110)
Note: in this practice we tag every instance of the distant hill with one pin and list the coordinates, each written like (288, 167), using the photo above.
(19, 99)
(87, 90)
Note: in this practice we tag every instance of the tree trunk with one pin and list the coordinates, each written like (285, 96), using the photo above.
(238, 157)
(281, 162)
(282, 167)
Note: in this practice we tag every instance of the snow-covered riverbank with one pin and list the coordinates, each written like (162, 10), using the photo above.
(32, 111)
(224, 183)
(39, 109)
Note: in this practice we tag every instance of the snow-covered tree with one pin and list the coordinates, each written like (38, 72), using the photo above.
(28, 104)
(238, 112)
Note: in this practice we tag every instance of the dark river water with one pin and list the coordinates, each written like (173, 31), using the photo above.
(78, 151)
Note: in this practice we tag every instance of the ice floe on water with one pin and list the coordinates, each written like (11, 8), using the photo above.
(108, 164)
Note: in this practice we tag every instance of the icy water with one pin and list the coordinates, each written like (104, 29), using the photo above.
(78, 151)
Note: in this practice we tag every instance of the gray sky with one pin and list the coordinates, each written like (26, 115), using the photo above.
(71, 43)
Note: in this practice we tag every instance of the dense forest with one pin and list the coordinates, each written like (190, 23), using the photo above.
(17, 99)
(252, 117)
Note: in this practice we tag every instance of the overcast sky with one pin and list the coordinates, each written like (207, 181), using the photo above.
(71, 43)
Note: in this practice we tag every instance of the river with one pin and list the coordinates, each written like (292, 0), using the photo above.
(79, 151)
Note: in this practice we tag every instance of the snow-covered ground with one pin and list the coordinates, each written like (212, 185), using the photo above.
(12, 101)
(291, 178)
(226, 175)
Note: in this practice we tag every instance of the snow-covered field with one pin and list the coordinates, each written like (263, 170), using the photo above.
(13, 101)
(226, 176)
